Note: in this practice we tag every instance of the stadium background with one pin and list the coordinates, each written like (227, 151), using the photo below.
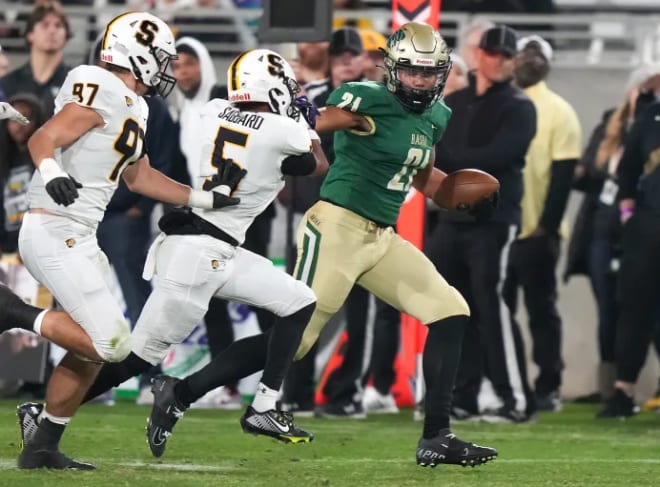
(595, 53)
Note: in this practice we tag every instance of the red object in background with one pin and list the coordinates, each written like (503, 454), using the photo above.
(411, 227)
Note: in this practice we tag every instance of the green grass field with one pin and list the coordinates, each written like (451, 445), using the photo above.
(208, 448)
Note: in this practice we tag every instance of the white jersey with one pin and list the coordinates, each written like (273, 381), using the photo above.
(97, 159)
(258, 142)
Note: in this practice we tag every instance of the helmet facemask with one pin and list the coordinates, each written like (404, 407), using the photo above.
(161, 82)
(416, 99)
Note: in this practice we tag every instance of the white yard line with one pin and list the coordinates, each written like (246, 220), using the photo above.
(10, 464)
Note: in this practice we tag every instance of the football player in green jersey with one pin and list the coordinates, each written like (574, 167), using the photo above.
(384, 144)
(385, 134)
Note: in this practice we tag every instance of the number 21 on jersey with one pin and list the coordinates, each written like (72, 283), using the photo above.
(417, 159)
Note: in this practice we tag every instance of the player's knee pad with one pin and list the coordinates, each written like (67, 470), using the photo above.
(118, 346)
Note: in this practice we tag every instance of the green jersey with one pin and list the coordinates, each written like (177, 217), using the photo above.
(373, 170)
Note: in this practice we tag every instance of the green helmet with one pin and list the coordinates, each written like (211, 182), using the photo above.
(416, 46)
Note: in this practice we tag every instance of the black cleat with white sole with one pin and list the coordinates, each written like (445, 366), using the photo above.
(28, 415)
(446, 448)
(32, 458)
(165, 412)
(276, 424)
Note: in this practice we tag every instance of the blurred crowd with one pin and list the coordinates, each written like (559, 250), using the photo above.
(506, 121)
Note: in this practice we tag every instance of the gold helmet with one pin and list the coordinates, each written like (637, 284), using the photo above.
(416, 47)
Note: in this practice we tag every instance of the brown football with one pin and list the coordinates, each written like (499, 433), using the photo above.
(464, 188)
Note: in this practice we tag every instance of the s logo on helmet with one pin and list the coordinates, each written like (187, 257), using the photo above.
(146, 33)
(275, 65)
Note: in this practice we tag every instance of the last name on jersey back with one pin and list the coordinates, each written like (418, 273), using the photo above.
(247, 119)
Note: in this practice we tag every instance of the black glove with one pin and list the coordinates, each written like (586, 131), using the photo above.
(484, 210)
(63, 190)
(229, 175)
(307, 109)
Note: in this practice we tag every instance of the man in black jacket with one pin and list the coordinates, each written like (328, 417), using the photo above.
(491, 129)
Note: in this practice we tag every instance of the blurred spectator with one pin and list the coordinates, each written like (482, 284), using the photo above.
(594, 247)
(312, 63)
(458, 76)
(4, 64)
(16, 166)
(548, 174)
(639, 277)
(374, 44)
(468, 44)
(491, 128)
(196, 85)
(47, 31)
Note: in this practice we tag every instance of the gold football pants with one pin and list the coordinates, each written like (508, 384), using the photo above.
(338, 248)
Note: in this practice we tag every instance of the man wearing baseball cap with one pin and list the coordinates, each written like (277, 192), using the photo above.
(548, 175)
(492, 125)
(374, 44)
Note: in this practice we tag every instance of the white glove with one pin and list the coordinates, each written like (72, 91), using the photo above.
(9, 112)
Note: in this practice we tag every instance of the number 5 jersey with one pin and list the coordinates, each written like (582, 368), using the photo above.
(256, 141)
(97, 159)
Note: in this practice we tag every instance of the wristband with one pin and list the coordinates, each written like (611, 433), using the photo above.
(222, 189)
(50, 169)
(200, 199)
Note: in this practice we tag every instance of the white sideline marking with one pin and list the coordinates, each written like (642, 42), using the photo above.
(6, 464)
(10, 464)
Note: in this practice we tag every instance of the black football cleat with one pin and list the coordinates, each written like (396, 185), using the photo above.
(276, 424)
(446, 448)
(619, 406)
(28, 414)
(33, 458)
(165, 412)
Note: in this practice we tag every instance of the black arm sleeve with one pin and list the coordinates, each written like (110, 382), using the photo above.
(558, 192)
(510, 142)
(302, 165)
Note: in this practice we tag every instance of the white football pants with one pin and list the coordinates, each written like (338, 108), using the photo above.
(188, 270)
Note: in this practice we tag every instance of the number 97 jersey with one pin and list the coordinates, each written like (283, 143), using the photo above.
(97, 159)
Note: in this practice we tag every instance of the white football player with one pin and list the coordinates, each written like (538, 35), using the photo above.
(95, 137)
(261, 130)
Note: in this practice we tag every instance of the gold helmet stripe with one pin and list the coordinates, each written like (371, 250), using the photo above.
(106, 37)
(234, 82)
